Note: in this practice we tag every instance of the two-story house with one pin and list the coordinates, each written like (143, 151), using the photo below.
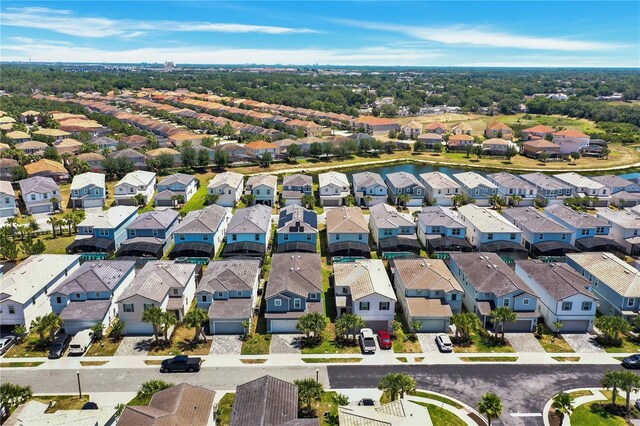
(7, 167)
(138, 182)
(88, 190)
(563, 295)
(537, 132)
(462, 128)
(347, 232)
(549, 189)
(392, 230)
(201, 232)
(228, 291)
(137, 158)
(105, 143)
(625, 228)
(294, 289)
(249, 232)
(24, 287)
(40, 194)
(103, 232)
(541, 235)
(88, 295)
(150, 234)
(439, 229)
(616, 284)
(264, 188)
(624, 192)
(427, 292)
(175, 186)
(403, 183)
(297, 230)
(571, 141)
(589, 232)
(440, 188)
(498, 130)
(369, 189)
(516, 191)
(333, 188)
(294, 187)
(7, 200)
(228, 187)
(257, 149)
(587, 187)
(436, 127)
(477, 187)
(363, 288)
(488, 230)
(93, 159)
(168, 285)
(489, 283)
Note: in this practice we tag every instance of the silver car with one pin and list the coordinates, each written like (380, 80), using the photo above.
(444, 343)
(5, 343)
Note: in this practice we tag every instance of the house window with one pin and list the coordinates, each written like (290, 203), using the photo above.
(308, 237)
(257, 192)
(586, 306)
(313, 296)
(384, 306)
(505, 302)
(512, 236)
(58, 300)
(132, 233)
(541, 236)
(563, 237)
(175, 291)
(436, 229)
(364, 306)
(600, 230)
(205, 237)
(257, 237)
(128, 307)
(631, 301)
(277, 302)
(455, 232)
(285, 237)
(204, 298)
(33, 197)
(489, 236)
(239, 293)
(454, 297)
(181, 237)
(337, 237)
(525, 301)
(155, 232)
(584, 232)
(360, 237)
(567, 306)
(96, 192)
(98, 294)
(12, 309)
(104, 232)
(220, 294)
(77, 295)
(148, 306)
(297, 303)
(345, 290)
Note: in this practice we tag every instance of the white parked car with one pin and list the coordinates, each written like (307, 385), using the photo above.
(367, 341)
(6, 343)
(80, 342)
(444, 343)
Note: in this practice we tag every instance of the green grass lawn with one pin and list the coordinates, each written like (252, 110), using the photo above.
(225, 408)
(553, 344)
(485, 342)
(405, 342)
(198, 200)
(330, 360)
(489, 359)
(182, 343)
(567, 358)
(31, 347)
(627, 346)
(19, 364)
(593, 415)
(105, 347)
(436, 397)
(257, 344)
(440, 416)
(579, 393)
(331, 345)
(62, 402)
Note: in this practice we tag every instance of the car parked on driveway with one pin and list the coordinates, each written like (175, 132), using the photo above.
(444, 343)
(80, 342)
(384, 339)
(632, 361)
(367, 341)
(5, 343)
(181, 363)
(59, 346)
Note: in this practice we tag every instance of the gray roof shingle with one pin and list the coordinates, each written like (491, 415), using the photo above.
(156, 219)
(206, 220)
(557, 279)
(38, 184)
(103, 275)
(266, 401)
(251, 220)
(298, 273)
(230, 274)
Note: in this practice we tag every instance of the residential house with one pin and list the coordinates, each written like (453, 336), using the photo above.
(237, 152)
(34, 412)
(617, 184)
(137, 158)
(40, 194)
(228, 187)
(88, 295)
(174, 186)
(294, 289)
(489, 283)
(165, 284)
(412, 129)
(264, 188)
(7, 200)
(68, 146)
(259, 148)
(103, 232)
(403, 183)
(347, 232)
(294, 187)
(18, 136)
(54, 134)
(135, 141)
(297, 230)
(93, 159)
(498, 130)
(589, 232)
(150, 234)
(249, 232)
(30, 117)
(429, 140)
(571, 141)
(475, 186)
(537, 132)
(439, 229)
(460, 142)
(398, 412)
(583, 186)
(616, 284)
(541, 235)
(228, 291)
(23, 289)
(284, 145)
(375, 125)
(138, 182)
(32, 148)
(7, 165)
(175, 155)
(201, 232)
(625, 228)
(436, 127)
(462, 128)
(180, 138)
(363, 288)
(515, 191)
(488, 230)
(440, 189)
(549, 189)
(308, 127)
(369, 189)
(47, 168)
(105, 143)
(563, 294)
(392, 230)
(497, 146)
(534, 148)
(88, 190)
(179, 404)
(427, 292)
(333, 187)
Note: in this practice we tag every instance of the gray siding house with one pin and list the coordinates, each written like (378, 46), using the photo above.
(403, 183)
(150, 234)
(88, 190)
(439, 229)
(37, 193)
(369, 189)
(249, 232)
(294, 187)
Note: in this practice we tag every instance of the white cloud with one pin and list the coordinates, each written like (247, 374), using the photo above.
(483, 36)
(65, 22)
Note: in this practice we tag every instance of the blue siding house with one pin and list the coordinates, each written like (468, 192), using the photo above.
(541, 235)
(249, 232)
(392, 230)
(297, 230)
(103, 232)
(150, 235)
(201, 232)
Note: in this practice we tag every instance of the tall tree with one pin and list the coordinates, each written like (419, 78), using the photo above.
(312, 323)
(490, 405)
(397, 385)
(562, 404)
(153, 315)
(309, 393)
(196, 318)
(502, 315)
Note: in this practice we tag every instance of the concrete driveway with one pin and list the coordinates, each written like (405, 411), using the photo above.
(226, 345)
(524, 342)
(134, 346)
(285, 343)
(428, 342)
(583, 342)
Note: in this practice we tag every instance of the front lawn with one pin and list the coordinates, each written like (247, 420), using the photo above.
(627, 345)
(197, 201)
(405, 342)
(440, 416)
(62, 402)
(436, 397)
(595, 414)
(330, 360)
(257, 344)
(489, 359)
(105, 347)
(225, 408)
(553, 344)
(20, 364)
(566, 358)
(330, 344)
(181, 343)
(483, 341)
(32, 347)
(327, 410)
(92, 363)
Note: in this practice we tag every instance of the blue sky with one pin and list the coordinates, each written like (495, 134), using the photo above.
(451, 33)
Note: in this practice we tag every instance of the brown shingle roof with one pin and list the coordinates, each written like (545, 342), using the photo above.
(266, 401)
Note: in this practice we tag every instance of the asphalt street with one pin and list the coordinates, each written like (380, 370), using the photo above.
(523, 388)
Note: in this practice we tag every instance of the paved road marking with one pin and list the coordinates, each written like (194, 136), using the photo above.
(526, 414)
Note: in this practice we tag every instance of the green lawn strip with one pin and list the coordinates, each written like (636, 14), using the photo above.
(437, 397)
(551, 343)
(566, 358)
(402, 358)
(62, 402)
(405, 341)
(30, 348)
(626, 346)
(153, 361)
(327, 410)
(330, 344)
(330, 360)
(579, 393)
(197, 201)
(105, 347)
(593, 414)
(440, 416)
(92, 363)
(253, 361)
(489, 359)
(258, 344)
(20, 364)
(483, 341)
(225, 408)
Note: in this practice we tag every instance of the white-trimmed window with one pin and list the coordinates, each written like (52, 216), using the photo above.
(586, 306)
(297, 303)
(277, 302)
(631, 301)
(12, 309)
(384, 306)
(148, 306)
(364, 306)
(567, 306)
(128, 307)
(525, 301)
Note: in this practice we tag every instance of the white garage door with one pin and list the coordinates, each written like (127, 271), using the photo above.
(138, 329)
(575, 326)
(522, 326)
(44, 208)
(331, 203)
(95, 202)
(227, 327)
(73, 327)
(283, 326)
(433, 325)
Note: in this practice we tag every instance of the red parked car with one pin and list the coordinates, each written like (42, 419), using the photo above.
(384, 339)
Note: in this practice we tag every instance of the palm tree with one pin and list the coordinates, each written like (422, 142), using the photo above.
(117, 327)
(150, 388)
(52, 323)
(195, 318)
(33, 225)
(416, 325)
(562, 404)
(403, 199)
(558, 325)
(249, 199)
(350, 200)
(55, 203)
(11, 396)
(490, 405)
(313, 322)
(211, 198)
(515, 199)
(12, 222)
(465, 323)
(153, 315)
(458, 200)
(139, 199)
(368, 199)
(39, 326)
(308, 201)
(500, 316)
(309, 392)
(496, 200)
(348, 324)
(168, 319)
(68, 220)
(397, 384)
(629, 382)
(612, 380)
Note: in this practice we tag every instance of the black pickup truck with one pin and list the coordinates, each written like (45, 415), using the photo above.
(181, 363)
